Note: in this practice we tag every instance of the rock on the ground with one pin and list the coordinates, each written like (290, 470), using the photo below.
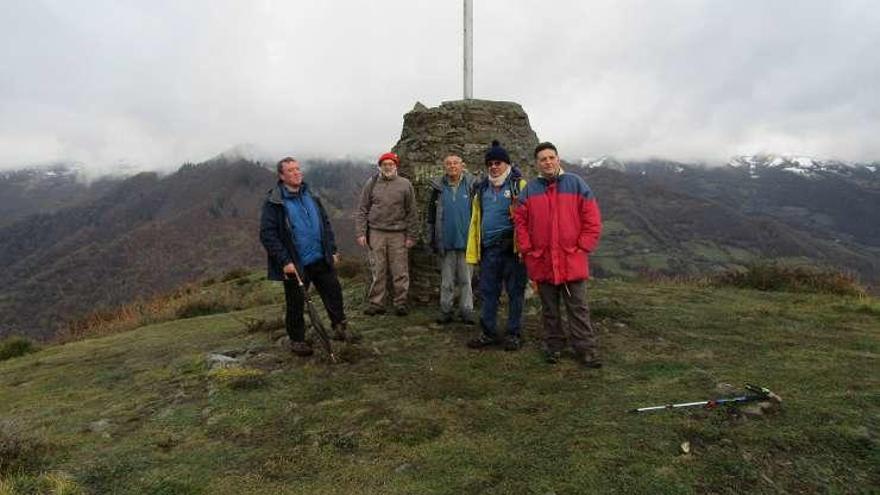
(217, 361)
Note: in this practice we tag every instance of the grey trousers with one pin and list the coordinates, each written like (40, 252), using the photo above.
(574, 294)
(388, 252)
(455, 273)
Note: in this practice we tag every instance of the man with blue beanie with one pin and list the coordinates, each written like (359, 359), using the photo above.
(298, 238)
(491, 244)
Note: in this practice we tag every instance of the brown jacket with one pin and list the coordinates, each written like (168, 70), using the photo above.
(388, 205)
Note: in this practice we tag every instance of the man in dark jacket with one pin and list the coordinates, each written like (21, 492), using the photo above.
(449, 213)
(557, 226)
(298, 239)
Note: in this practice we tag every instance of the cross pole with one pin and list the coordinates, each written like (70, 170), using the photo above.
(468, 49)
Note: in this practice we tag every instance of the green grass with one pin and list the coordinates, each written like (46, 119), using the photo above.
(411, 410)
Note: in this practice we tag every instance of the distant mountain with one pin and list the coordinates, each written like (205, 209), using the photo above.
(45, 189)
(702, 217)
(101, 245)
(143, 236)
(804, 166)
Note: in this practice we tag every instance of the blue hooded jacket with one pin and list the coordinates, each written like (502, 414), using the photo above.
(276, 234)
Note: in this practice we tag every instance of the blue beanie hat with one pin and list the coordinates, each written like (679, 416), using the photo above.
(496, 152)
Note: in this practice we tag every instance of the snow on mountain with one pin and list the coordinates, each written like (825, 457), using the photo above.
(589, 162)
(50, 171)
(754, 165)
(801, 165)
(602, 161)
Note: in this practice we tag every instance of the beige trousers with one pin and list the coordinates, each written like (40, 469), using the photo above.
(388, 253)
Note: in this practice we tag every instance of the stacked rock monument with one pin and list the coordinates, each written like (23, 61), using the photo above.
(465, 127)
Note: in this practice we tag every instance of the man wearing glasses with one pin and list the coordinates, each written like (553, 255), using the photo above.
(491, 244)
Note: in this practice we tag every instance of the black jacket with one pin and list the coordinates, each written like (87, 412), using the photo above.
(276, 234)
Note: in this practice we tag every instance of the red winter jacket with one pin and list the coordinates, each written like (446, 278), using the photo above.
(557, 226)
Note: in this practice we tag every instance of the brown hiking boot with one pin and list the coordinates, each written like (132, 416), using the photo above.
(374, 309)
(301, 349)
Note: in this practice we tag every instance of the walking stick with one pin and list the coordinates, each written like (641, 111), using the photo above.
(758, 393)
(323, 336)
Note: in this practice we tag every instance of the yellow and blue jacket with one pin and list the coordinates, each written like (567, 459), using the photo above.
(515, 183)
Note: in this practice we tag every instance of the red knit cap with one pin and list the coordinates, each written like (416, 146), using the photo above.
(390, 156)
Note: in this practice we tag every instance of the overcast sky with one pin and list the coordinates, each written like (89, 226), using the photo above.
(157, 83)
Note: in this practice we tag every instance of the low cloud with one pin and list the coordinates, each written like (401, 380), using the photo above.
(156, 84)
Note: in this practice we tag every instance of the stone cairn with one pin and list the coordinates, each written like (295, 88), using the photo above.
(465, 127)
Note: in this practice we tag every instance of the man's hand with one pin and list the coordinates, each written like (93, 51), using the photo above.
(289, 269)
(362, 241)
(410, 243)
(336, 258)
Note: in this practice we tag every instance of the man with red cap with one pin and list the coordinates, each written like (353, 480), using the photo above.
(386, 222)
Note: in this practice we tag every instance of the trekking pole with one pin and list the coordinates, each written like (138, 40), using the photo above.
(315, 318)
(758, 393)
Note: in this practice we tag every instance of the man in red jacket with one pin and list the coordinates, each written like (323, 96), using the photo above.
(557, 226)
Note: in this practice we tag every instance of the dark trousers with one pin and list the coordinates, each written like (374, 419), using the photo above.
(327, 284)
(574, 294)
(500, 267)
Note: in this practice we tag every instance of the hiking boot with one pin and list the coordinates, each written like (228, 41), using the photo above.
(342, 332)
(512, 343)
(482, 341)
(301, 349)
(444, 319)
(590, 360)
(374, 309)
(552, 357)
(468, 319)
(401, 310)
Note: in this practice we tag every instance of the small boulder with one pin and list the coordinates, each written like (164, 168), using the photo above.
(219, 361)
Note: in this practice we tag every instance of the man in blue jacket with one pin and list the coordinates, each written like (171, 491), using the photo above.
(449, 213)
(298, 238)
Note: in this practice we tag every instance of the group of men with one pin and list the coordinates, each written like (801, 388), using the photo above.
(515, 231)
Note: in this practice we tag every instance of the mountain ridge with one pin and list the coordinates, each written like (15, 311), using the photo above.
(149, 233)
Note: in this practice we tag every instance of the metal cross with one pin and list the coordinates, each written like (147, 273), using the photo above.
(468, 49)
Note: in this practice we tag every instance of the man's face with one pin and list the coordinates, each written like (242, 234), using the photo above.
(290, 174)
(453, 166)
(388, 167)
(497, 168)
(548, 162)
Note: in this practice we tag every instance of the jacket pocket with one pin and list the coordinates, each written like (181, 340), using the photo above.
(536, 265)
(575, 264)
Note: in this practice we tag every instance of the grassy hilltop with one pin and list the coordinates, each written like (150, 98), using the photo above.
(411, 410)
